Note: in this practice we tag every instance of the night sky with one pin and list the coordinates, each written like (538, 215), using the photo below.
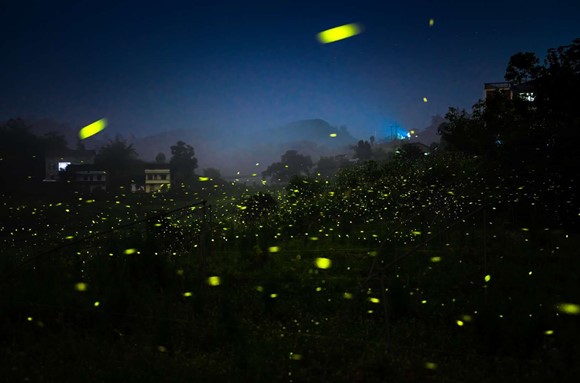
(151, 66)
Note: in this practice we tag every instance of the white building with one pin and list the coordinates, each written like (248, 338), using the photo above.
(157, 177)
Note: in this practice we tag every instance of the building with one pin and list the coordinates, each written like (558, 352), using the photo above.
(87, 177)
(157, 177)
(523, 91)
(58, 161)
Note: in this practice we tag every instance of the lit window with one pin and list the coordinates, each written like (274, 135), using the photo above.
(528, 96)
(63, 165)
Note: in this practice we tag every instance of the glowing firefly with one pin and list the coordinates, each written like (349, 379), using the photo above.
(568, 308)
(214, 281)
(92, 129)
(323, 263)
(339, 33)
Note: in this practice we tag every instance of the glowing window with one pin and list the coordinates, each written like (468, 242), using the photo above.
(63, 165)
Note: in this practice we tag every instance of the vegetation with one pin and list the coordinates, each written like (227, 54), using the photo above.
(291, 164)
(22, 154)
(363, 151)
(120, 160)
(182, 164)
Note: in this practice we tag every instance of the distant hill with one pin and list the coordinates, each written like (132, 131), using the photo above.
(315, 130)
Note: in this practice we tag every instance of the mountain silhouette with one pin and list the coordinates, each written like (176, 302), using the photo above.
(314, 130)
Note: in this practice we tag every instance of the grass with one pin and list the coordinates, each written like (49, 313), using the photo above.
(386, 310)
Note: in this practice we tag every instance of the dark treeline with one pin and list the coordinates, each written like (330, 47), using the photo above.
(530, 136)
(23, 156)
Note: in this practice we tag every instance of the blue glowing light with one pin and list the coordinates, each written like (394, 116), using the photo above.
(395, 132)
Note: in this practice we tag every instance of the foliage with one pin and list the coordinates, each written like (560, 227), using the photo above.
(212, 173)
(395, 283)
(183, 164)
(409, 152)
(121, 162)
(362, 150)
(54, 142)
(23, 154)
(536, 138)
(522, 67)
(329, 166)
(408, 255)
(160, 158)
(301, 187)
(292, 163)
(258, 206)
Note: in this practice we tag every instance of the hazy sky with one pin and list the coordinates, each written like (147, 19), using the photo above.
(152, 66)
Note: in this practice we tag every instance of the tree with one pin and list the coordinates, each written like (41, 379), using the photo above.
(329, 166)
(536, 138)
(363, 150)
(409, 152)
(212, 173)
(22, 155)
(258, 206)
(160, 158)
(121, 162)
(54, 141)
(183, 164)
(522, 68)
(495, 127)
(301, 187)
(292, 163)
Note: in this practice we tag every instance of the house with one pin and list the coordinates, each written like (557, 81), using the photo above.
(523, 91)
(157, 177)
(56, 162)
(88, 178)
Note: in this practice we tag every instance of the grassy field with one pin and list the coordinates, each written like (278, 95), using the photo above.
(376, 276)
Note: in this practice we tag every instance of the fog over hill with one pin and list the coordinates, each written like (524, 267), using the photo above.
(430, 134)
(235, 150)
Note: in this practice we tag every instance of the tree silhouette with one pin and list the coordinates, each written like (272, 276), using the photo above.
(409, 152)
(522, 68)
(121, 162)
(363, 150)
(183, 164)
(22, 155)
(258, 206)
(329, 166)
(536, 138)
(292, 163)
(160, 158)
(212, 173)
(54, 141)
